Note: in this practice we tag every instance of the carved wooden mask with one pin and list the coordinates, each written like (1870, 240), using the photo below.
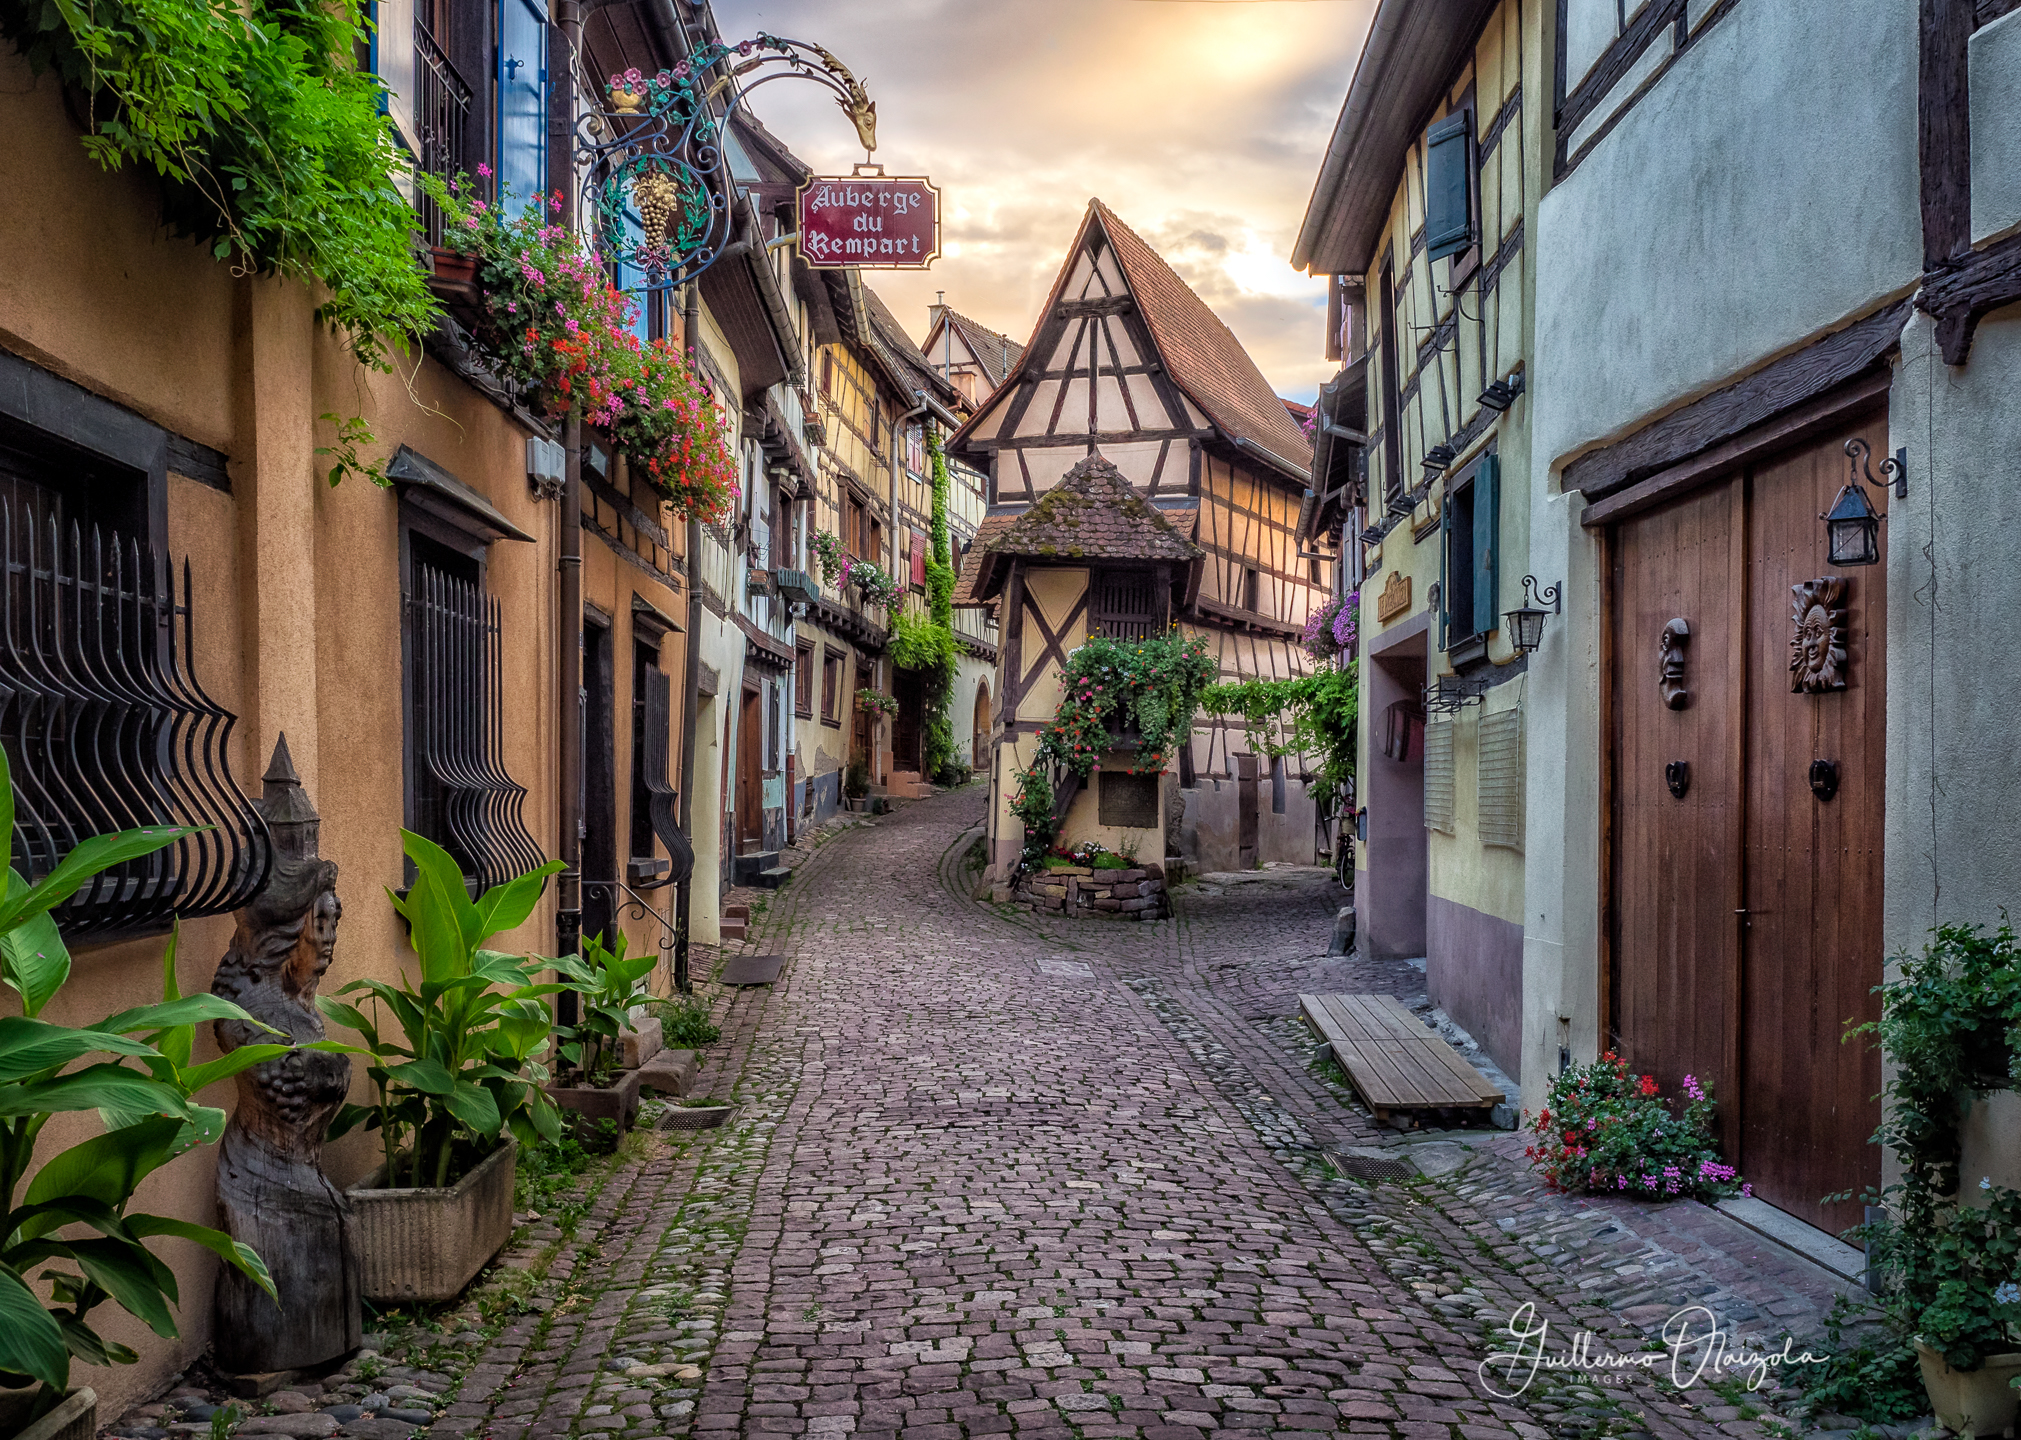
(1817, 647)
(1670, 648)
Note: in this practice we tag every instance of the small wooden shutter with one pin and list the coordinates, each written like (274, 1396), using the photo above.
(522, 100)
(1125, 605)
(918, 558)
(1445, 615)
(1439, 777)
(1449, 189)
(1501, 779)
(1487, 543)
(661, 800)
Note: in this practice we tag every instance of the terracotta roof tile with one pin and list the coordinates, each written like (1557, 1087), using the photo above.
(1202, 353)
(1092, 514)
(993, 350)
(971, 562)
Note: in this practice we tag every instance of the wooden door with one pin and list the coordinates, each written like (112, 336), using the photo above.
(1245, 811)
(1744, 918)
(1675, 880)
(599, 781)
(750, 775)
(1811, 939)
(907, 688)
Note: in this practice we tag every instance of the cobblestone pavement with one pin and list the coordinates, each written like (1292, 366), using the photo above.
(991, 1175)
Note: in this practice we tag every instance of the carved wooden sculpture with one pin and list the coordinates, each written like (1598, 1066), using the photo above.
(1817, 649)
(271, 1187)
(1676, 636)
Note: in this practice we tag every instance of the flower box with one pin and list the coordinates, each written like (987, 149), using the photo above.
(454, 278)
(618, 1101)
(427, 1243)
(1971, 1402)
(76, 1418)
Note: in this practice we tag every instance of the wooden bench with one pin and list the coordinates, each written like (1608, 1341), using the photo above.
(1394, 1060)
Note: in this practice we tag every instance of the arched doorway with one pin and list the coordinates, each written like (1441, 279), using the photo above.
(979, 745)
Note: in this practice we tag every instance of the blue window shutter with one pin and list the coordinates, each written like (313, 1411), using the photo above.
(1487, 542)
(522, 99)
(1449, 188)
(631, 278)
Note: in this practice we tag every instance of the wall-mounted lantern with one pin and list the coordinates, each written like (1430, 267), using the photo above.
(1438, 457)
(1502, 393)
(1852, 529)
(1526, 622)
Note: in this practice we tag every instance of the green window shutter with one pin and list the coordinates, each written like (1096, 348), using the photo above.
(1445, 553)
(1487, 542)
(1449, 189)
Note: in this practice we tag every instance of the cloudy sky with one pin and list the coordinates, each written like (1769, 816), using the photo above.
(1201, 122)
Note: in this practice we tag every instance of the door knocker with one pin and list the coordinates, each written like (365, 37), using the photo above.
(1824, 778)
(1677, 775)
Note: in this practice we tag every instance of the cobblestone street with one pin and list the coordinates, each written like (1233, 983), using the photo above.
(994, 1176)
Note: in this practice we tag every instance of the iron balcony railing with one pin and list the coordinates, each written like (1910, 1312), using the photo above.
(463, 797)
(441, 122)
(106, 728)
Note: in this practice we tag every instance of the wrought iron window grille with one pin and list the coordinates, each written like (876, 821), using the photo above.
(463, 797)
(106, 729)
(441, 122)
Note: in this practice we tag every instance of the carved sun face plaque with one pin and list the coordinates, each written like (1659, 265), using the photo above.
(1817, 647)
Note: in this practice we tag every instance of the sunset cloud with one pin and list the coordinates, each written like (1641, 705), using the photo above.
(1200, 122)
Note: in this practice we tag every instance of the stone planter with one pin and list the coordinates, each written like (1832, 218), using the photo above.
(1989, 1144)
(427, 1244)
(642, 1040)
(1134, 894)
(1971, 1402)
(75, 1419)
(619, 1102)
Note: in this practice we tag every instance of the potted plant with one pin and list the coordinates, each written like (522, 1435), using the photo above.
(1605, 1130)
(69, 1224)
(459, 1083)
(1945, 1243)
(608, 985)
(878, 588)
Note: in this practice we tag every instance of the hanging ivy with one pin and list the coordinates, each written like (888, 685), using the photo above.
(270, 143)
(1315, 716)
(936, 643)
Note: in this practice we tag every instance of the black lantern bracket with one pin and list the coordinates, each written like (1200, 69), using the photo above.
(1896, 467)
(1526, 621)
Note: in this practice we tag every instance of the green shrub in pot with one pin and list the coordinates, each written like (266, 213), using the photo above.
(460, 1066)
(134, 1068)
(608, 984)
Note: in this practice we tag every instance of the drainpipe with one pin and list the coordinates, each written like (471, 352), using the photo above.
(691, 687)
(568, 886)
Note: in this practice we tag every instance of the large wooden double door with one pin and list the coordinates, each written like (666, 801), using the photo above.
(1744, 918)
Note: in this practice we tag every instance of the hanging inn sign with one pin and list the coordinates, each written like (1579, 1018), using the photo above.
(869, 221)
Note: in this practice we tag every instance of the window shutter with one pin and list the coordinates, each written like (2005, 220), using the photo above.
(1445, 551)
(1439, 777)
(662, 805)
(1449, 190)
(522, 99)
(393, 62)
(1487, 542)
(1500, 779)
(918, 558)
(630, 277)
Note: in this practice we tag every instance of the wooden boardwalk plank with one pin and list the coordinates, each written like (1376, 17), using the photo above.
(1393, 1059)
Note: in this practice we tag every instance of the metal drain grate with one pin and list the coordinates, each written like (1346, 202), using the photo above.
(695, 1117)
(1367, 1167)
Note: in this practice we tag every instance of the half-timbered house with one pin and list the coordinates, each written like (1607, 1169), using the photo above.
(1778, 761)
(1127, 363)
(968, 353)
(1419, 219)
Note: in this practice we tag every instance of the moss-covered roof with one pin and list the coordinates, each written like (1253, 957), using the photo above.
(1092, 514)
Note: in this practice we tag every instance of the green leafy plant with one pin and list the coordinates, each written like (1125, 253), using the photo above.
(878, 587)
(145, 1095)
(1107, 688)
(1951, 1026)
(464, 1068)
(685, 1021)
(1313, 716)
(270, 144)
(830, 556)
(608, 984)
(343, 451)
(856, 780)
(1605, 1130)
(875, 703)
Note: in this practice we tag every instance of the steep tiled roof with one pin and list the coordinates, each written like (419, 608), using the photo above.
(971, 563)
(1092, 514)
(995, 351)
(891, 335)
(1202, 354)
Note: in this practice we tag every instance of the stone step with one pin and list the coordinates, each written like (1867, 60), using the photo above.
(734, 929)
(736, 910)
(750, 864)
(773, 878)
(670, 1072)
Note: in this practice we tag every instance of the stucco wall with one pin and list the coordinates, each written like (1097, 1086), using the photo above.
(1953, 849)
(1995, 82)
(1763, 192)
(1474, 972)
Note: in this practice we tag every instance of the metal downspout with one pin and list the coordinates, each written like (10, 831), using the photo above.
(691, 691)
(568, 885)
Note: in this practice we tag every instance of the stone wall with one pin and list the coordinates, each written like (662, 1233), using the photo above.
(1134, 894)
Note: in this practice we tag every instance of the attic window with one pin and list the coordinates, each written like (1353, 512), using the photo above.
(1449, 185)
(1125, 605)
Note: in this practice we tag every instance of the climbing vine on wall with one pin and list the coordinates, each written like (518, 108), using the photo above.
(270, 143)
